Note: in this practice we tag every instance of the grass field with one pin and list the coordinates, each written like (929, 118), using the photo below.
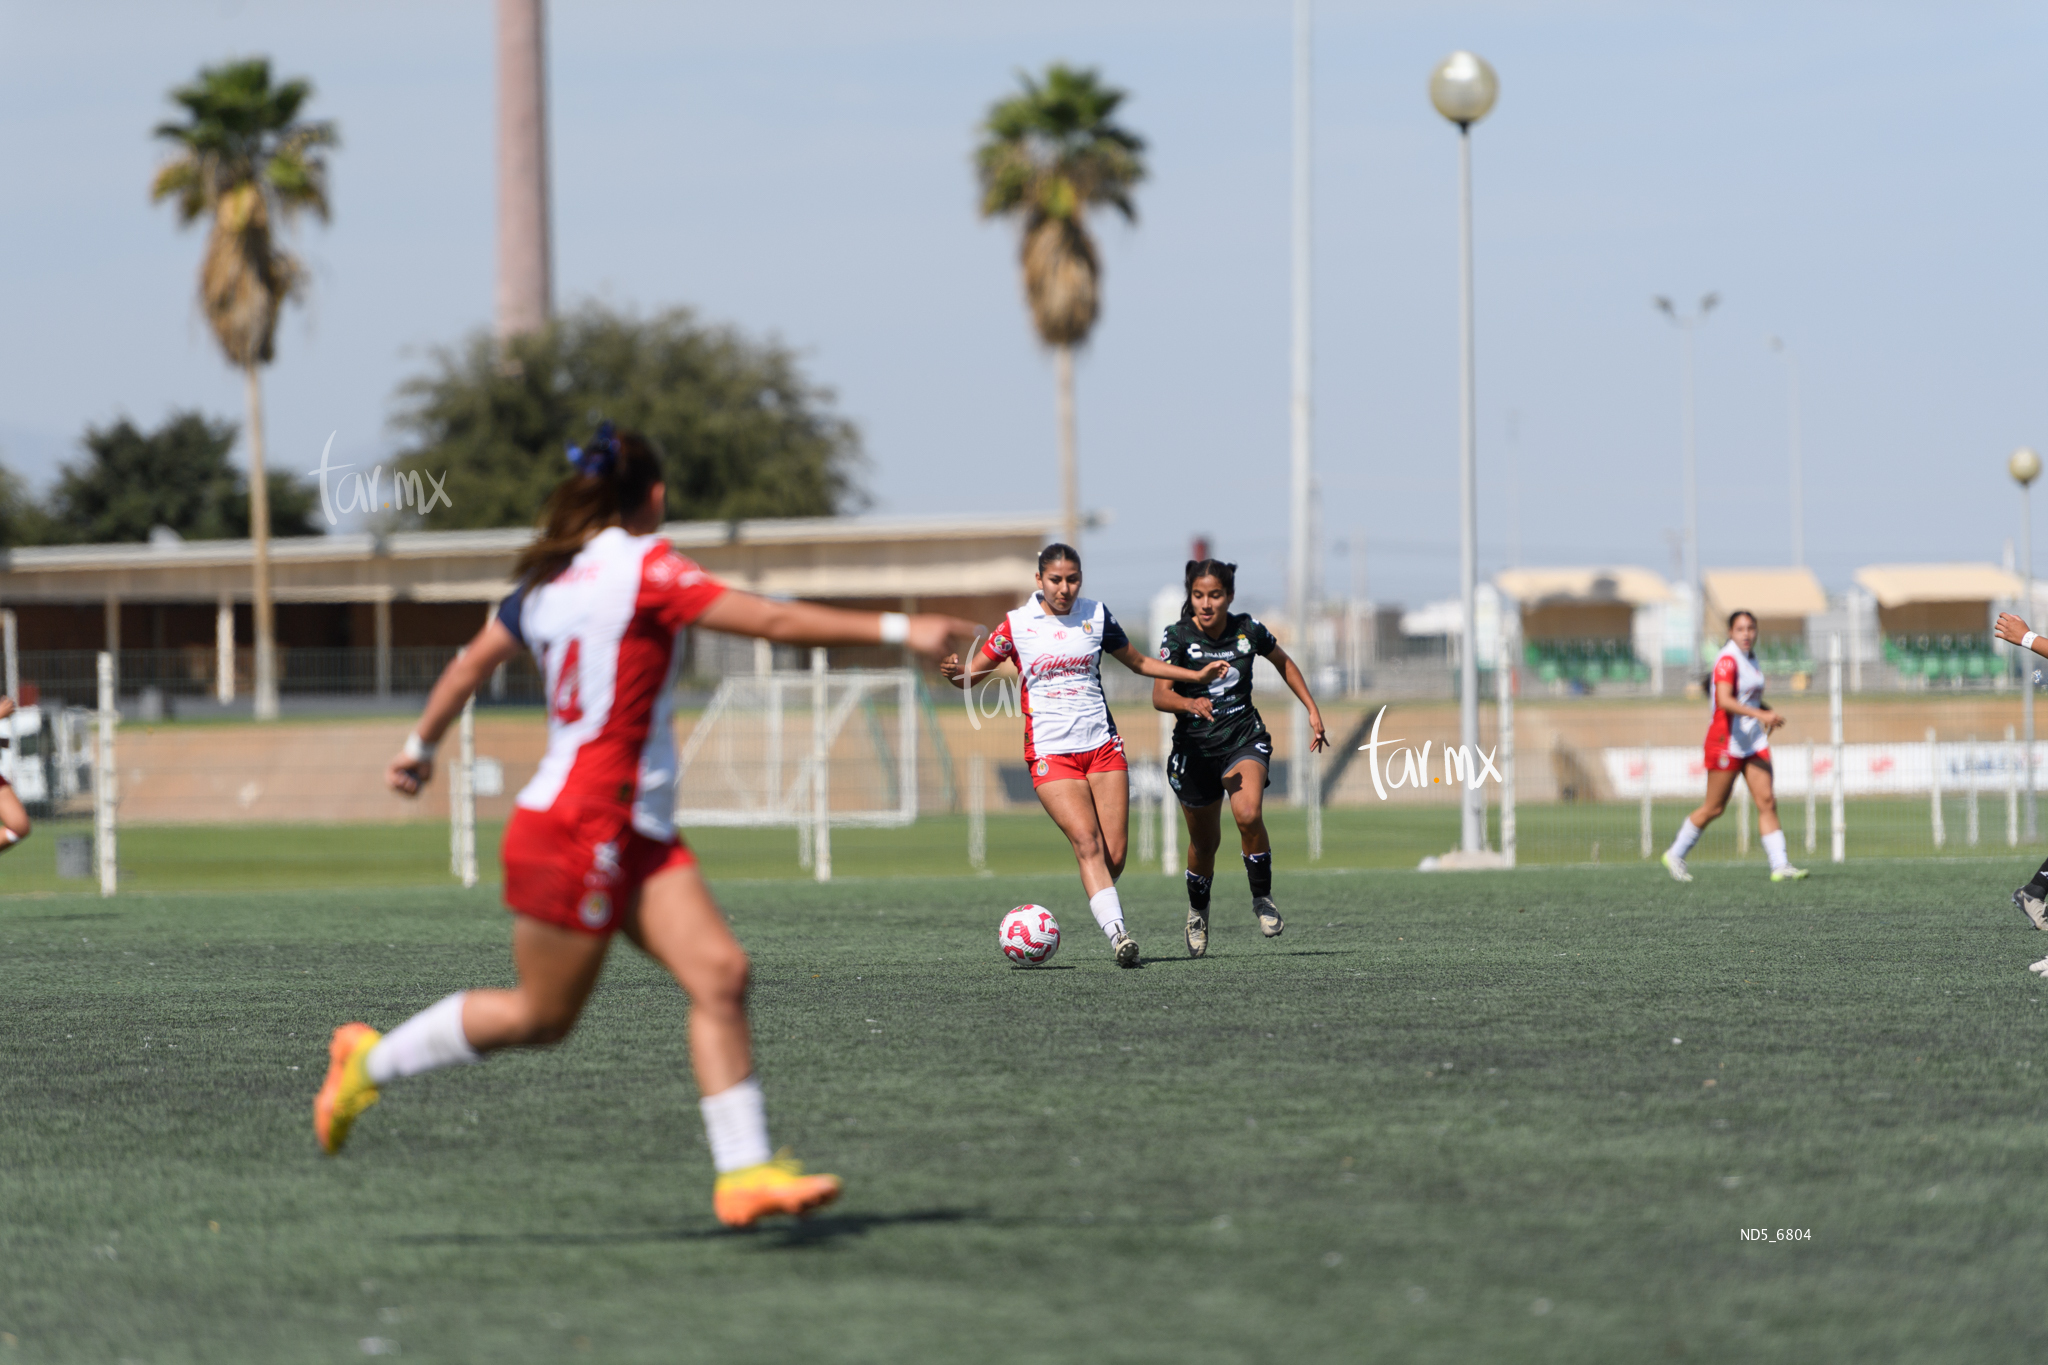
(1444, 1118)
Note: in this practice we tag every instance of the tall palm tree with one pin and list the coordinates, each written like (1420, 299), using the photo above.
(244, 160)
(1048, 154)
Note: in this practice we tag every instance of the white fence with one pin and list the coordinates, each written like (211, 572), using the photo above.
(1896, 769)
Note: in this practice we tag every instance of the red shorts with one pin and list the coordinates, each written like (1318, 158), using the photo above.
(1720, 760)
(581, 871)
(1060, 767)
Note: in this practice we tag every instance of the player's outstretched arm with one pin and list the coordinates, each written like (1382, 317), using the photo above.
(1164, 698)
(807, 623)
(1150, 667)
(1290, 673)
(977, 666)
(2013, 631)
(413, 766)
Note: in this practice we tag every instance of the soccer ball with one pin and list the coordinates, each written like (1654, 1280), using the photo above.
(1029, 936)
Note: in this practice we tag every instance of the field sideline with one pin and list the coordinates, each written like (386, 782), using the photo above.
(1443, 1119)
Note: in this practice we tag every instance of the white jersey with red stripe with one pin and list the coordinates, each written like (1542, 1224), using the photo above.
(604, 632)
(1060, 661)
(1738, 736)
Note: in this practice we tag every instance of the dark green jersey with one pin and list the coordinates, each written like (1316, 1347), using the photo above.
(1237, 722)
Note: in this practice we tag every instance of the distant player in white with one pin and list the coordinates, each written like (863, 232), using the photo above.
(1057, 640)
(1738, 741)
(591, 849)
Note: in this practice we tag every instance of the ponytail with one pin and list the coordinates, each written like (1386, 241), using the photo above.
(1226, 574)
(613, 476)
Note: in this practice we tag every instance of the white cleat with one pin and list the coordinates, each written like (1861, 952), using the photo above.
(1675, 865)
(1788, 873)
(2040, 968)
(1125, 949)
(2033, 907)
(1270, 923)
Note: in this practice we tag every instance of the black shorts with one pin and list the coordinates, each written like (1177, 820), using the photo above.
(1197, 778)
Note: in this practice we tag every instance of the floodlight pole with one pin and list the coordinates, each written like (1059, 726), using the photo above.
(1463, 88)
(2025, 466)
(1685, 327)
(1473, 822)
(1301, 552)
(2027, 665)
(1796, 492)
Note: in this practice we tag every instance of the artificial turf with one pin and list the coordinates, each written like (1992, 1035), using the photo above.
(1444, 1118)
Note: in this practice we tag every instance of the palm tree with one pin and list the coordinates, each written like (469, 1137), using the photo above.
(244, 159)
(1048, 154)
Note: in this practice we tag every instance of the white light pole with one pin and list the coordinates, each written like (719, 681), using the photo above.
(1300, 558)
(1685, 327)
(1797, 489)
(2025, 467)
(1463, 89)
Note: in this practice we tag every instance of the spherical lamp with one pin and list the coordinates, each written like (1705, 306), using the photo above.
(1463, 88)
(2024, 466)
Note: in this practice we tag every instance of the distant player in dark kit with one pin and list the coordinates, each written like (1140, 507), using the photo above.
(1220, 744)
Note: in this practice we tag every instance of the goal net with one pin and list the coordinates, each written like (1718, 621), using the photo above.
(791, 748)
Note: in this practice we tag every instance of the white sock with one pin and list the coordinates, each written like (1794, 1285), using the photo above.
(1774, 849)
(428, 1041)
(736, 1123)
(1108, 912)
(1688, 835)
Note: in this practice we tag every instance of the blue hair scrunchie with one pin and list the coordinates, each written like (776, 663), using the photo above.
(601, 456)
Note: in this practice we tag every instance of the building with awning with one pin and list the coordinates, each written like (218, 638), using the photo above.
(1581, 604)
(1937, 599)
(1781, 599)
(421, 589)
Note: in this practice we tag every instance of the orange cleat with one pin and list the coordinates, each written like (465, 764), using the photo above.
(347, 1091)
(743, 1197)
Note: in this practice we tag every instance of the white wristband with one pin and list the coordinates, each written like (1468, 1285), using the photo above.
(2027, 640)
(895, 628)
(417, 749)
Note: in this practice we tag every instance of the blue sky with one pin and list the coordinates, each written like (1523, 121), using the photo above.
(1863, 180)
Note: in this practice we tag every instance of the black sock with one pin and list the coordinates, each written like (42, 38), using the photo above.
(2037, 885)
(1198, 891)
(1259, 868)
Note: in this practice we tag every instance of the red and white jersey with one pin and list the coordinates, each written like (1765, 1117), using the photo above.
(1740, 736)
(1060, 660)
(604, 632)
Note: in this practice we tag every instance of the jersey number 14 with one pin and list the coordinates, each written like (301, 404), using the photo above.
(564, 704)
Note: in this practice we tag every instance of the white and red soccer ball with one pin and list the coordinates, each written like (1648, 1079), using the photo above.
(1029, 936)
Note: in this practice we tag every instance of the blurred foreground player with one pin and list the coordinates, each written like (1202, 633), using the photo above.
(591, 847)
(2032, 899)
(14, 825)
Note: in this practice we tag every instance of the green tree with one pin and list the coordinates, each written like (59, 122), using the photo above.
(1048, 154)
(22, 519)
(244, 160)
(178, 476)
(742, 432)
